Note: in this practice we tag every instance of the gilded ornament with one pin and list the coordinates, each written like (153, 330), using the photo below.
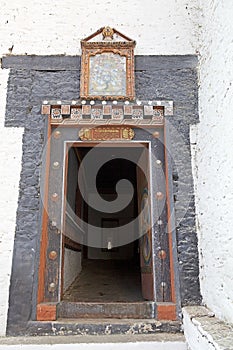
(108, 33)
(106, 133)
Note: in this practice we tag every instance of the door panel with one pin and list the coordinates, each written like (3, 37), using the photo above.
(145, 241)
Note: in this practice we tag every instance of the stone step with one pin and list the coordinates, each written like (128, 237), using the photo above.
(105, 310)
(158, 341)
(103, 327)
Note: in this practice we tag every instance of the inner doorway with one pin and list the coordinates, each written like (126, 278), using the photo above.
(103, 263)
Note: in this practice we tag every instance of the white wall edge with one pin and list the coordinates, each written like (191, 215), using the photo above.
(10, 167)
(203, 331)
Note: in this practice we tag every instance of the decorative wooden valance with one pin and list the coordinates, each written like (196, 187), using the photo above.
(144, 113)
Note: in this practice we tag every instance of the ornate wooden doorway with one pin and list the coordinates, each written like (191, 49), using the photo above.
(61, 230)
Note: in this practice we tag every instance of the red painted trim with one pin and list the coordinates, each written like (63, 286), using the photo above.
(46, 312)
(44, 232)
(166, 311)
(172, 275)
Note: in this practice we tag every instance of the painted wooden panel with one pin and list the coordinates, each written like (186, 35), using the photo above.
(145, 242)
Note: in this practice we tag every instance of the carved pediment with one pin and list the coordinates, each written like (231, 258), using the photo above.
(106, 36)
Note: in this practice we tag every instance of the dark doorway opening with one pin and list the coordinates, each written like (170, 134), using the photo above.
(108, 270)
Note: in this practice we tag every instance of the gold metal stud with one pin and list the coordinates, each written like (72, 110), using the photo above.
(159, 195)
(156, 134)
(55, 197)
(56, 165)
(162, 254)
(54, 223)
(52, 255)
(57, 134)
(52, 287)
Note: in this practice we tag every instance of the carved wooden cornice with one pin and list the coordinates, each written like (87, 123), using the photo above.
(82, 112)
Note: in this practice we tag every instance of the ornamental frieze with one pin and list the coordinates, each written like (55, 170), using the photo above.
(84, 112)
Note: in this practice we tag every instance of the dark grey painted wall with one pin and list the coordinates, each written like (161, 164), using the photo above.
(34, 79)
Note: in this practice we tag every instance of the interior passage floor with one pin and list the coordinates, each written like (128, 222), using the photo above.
(106, 281)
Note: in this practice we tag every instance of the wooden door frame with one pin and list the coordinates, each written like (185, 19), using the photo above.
(47, 301)
(146, 180)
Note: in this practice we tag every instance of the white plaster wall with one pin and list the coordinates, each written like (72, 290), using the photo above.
(10, 164)
(126, 250)
(56, 26)
(214, 158)
(72, 266)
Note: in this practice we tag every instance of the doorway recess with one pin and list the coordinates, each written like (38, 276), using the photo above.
(108, 271)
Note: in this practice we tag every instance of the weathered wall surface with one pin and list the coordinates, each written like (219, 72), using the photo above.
(55, 27)
(72, 266)
(214, 158)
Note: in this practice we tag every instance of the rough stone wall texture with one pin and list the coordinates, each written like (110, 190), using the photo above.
(55, 27)
(214, 158)
(169, 77)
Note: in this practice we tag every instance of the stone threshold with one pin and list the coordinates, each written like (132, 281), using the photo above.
(114, 339)
(108, 310)
(204, 331)
(99, 327)
(103, 327)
